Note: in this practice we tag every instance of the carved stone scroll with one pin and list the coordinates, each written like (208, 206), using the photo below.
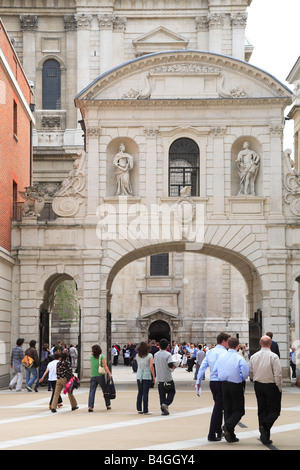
(70, 196)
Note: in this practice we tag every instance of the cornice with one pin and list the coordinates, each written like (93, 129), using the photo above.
(189, 103)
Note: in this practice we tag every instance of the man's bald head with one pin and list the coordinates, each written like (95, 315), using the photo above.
(265, 341)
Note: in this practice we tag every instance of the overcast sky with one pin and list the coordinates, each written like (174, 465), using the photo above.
(273, 29)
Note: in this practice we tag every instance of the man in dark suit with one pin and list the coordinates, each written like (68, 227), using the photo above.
(274, 346)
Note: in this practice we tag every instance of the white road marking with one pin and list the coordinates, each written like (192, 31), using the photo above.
(135, 422)
(190, 443)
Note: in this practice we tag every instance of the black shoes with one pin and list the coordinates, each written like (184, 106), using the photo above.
(229, 436)
(214, 439)
(264, 435)
(164, 409)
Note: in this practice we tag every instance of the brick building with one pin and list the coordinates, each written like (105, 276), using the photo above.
(16, 122)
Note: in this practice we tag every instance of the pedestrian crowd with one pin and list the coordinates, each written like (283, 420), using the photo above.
(229, 363)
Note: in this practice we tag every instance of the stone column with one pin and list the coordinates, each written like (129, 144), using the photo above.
(276, 170)
(83, 50)
(218, 169)
(71, 67)
(106, 23)
(93, 134)
(29, 25)
(151, 164)
(238, 23)
(119, 28)
(216, 23)
(202, 33)
(91, 307)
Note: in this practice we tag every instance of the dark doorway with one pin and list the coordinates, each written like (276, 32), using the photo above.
(159, 329)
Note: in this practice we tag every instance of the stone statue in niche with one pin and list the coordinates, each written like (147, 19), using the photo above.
(123, 163)
(248, 165)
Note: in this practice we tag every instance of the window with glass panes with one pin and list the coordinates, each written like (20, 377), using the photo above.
(51, 85)
(183, 166)
(159, 264)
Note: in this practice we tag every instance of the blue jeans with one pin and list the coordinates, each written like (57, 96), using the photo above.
(94, 382)
(143, 395)
(34, 372)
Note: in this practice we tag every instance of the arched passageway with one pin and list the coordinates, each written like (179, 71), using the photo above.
(150, 321)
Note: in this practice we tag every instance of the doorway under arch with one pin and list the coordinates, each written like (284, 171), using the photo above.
(158, 330)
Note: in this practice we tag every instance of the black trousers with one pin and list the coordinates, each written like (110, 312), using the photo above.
(234, 403)
(268, 403)
(217, 413)
(166, 391)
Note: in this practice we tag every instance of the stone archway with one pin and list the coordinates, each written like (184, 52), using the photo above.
(52, 324)
(246, 268)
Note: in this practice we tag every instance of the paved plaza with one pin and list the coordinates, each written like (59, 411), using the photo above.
(27, 423)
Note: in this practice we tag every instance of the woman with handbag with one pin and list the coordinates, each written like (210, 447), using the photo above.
(98, 371)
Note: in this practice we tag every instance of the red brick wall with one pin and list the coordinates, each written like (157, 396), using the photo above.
(14, 149)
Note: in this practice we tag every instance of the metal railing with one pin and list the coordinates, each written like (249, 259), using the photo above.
(46, 214)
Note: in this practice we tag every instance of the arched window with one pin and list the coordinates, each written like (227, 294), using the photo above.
(51, 85)
(183, 166)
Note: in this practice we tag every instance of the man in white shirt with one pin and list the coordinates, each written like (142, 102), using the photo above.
(265, 371)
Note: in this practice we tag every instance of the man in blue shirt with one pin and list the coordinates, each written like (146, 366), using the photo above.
(215, 429)
(232, 370)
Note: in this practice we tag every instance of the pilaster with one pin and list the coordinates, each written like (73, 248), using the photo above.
(29, 26)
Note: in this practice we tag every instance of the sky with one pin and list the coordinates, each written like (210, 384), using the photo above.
(273, 29)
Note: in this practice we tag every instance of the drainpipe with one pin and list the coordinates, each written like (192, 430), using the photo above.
(32, 109)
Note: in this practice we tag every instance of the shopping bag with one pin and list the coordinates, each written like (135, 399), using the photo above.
(27, 361)
(70, 385)
(110, 391)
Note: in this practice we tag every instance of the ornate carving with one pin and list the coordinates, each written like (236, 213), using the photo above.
(68, 199)
(201, 22)
(120, 23)
(291, 184)
(51, 121)
(239, 20)
(28, 22)
(48, 189)
(186, 68)
(216, 20)
(218, 131)
(143, 94)
(70, 22)
(106, 21)
(34, 201)
(235, 92)
(277, 129)
(83, 21)
(94, 131)
(151, 131)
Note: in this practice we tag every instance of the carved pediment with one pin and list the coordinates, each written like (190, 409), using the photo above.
(159, 314)
(183, 74)
(158, 40)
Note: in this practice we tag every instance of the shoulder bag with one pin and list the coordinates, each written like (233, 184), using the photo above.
(27, 361)
(101, 369)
